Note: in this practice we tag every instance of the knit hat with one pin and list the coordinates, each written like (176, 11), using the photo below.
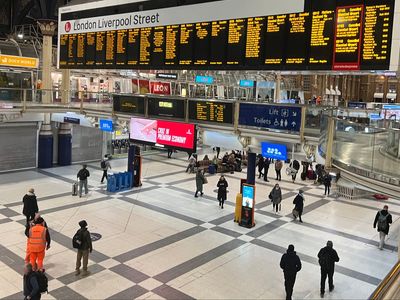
(83, 223)
(291, 248)
(39, 220)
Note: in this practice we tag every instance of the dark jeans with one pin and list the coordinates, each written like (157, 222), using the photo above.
(221, 202)
(294, 177)
(30, 218)
(260, 173)
(278, 175)
(290, 279)
(326, 273)
(327, 189)
(104, 176)
(265, 174)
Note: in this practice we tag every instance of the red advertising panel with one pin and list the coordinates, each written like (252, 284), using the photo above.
(177, 135)
(160, 88)
(144, 86)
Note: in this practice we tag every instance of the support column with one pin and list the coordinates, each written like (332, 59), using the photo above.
(251, 168)
(45, 151)
(278, 87)
(329, 142)
(64, 145)
(66, 86)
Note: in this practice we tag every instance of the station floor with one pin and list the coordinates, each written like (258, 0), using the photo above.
(158, 241)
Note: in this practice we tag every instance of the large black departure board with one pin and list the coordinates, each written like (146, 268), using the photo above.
(128, 104)
(338, 35)
(211, 111)
(164, 107)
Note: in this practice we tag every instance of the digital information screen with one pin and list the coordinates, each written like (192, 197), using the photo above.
(340, 35)
(128, 104)
(211, 111)
(172, 108)
(347, 45)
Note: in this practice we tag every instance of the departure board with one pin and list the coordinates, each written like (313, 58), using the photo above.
(255, 41)
(236, 42)
(171, 45)
(340, 35)
(202, 43)
(166, 107)
(122, 38)
(100, 48)
(72, 50)
(90, 49)
(158, 55)
(298, 36)
(377, 35)
(132, 47)
(187, 32)
(321, 41)
(347, 45)
(211, 111)
(145, 46)
(275, 40)
(63, 49)
(219, 36)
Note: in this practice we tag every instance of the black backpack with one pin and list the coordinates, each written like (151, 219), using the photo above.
(382, 222)
(103, 164)
(77, 240)
(42, 280)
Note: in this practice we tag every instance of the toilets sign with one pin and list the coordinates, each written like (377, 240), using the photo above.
(287, 118)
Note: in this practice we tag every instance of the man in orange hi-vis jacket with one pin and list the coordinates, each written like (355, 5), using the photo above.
(37, 240)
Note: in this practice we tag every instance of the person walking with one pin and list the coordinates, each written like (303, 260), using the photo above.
(37, 241)
(30, 284)
(84, 250)
(191, 165)
(27, 228)
(267, 162)
(170, 151)
(260, 165)
(327, 257)
(105, 165)
(327, 183)
(30, 205)
(276, 197)
(383, 219)
(222, 190)
(278, 169)
(200, 180)
(290, 264)
(295, 167)
(83, 175)
(298, 205)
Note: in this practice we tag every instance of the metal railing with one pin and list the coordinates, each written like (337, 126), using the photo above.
(389, 287)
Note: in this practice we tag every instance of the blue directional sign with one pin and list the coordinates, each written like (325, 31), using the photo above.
(106, 125)
(246, 83)
(204, 79)
(357, 105)
(274, 151)
(270, 116)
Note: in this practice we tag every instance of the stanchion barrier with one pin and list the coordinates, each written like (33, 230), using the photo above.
(119, 182)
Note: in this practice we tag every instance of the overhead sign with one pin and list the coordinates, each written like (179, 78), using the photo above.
(128, 104)
(247, 83)
(172, 76)
(72, 120)
(204, 79)
(165, 107)
(286, 118)
(274, 151)
(160, 88)
(357, 105)
(18, 61)
(211, 111)
(106, 125)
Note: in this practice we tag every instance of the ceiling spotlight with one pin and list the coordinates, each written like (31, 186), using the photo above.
(20, 35)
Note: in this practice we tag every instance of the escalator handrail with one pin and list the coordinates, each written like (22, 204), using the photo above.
(386, 283)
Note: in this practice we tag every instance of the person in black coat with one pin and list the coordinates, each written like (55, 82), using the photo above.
(327, 257)
(260, 165)
(30, 205)
(299, 205)
(327, 183)
(222, 186)
(383, 219)
(31, 285)
(267, 162)
(290, 264)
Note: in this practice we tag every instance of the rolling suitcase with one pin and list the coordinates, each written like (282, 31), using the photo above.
(75, 189)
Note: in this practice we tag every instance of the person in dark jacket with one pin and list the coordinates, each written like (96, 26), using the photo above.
(260, 165)
(267, 162)
(383, 219)
(30, 205)
(276, 197)
(200, 180)
(222, 186)
(327, 257)
(31, 284)
(83, 175)
(327, 183)
(83, 252)
(299, 205)
(290, 264)
(295, 166)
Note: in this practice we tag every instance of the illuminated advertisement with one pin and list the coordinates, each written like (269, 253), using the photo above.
(177, 135)
(143, 130)
(160, 88)
(248, 196)
(274, 151)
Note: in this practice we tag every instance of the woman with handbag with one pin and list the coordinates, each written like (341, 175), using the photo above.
(276, 197)
(298, 206)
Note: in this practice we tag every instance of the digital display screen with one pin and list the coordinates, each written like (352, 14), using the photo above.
(248, 196)
(298, 36)
(81, 49)
(132, 47)
(236, 42)
(63, 49)
(143, 130)
(255, 41)
(275, 41)
(72, 49)
(211, 111)
(100, 48)
(90, 49)
(172, 108)
(274, 151)
(145, 46)
(202, 43)
(128, 104)
(219, 39)
(171, 45)
(122, 39)
(187, 32)
(176, 135)
(110, 48)
(158, 55)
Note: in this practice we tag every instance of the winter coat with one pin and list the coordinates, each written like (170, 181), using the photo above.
(222, 186)
(276, 196)
(290, 263)
(299, 203)
(327, 180)
(327, 257)
(199, 181)
(388, 220)
(30, 204)
(278, 165)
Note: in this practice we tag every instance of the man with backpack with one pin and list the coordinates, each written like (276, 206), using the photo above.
(35, 283)
(382, 220)
(83, 243)
(83, 175)
(105, 165)
(327, 257)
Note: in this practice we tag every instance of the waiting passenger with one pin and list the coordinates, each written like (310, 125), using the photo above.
(83, 175)
(200, 180)
(222, 191)
(383, 219)
(267, 162)
(278, 169)
(298, 206)
(84, 249)
(327, 183)
(260, 165)
(276, 197)
(191, 165)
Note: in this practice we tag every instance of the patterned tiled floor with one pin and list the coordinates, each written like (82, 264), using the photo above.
(158, 241)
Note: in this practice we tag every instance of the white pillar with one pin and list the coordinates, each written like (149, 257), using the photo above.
(278, 87)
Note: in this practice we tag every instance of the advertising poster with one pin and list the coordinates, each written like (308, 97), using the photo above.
(248, 196)
(179, 135)
(160, 88)
(274, 151)
(143, 130)
(144, 86)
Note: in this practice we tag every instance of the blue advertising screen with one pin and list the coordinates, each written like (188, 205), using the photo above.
(274, 151)
(106, 125)
(270, 116)
(248, 196)
(246, 83)
(204, 79)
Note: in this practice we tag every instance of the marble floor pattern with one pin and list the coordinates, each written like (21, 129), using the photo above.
(159, 242)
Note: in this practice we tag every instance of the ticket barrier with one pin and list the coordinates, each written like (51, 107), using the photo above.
(119, 182)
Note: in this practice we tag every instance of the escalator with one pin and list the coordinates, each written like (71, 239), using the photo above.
(389, 287)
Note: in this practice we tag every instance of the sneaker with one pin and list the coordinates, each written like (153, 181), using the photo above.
(77, 272)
